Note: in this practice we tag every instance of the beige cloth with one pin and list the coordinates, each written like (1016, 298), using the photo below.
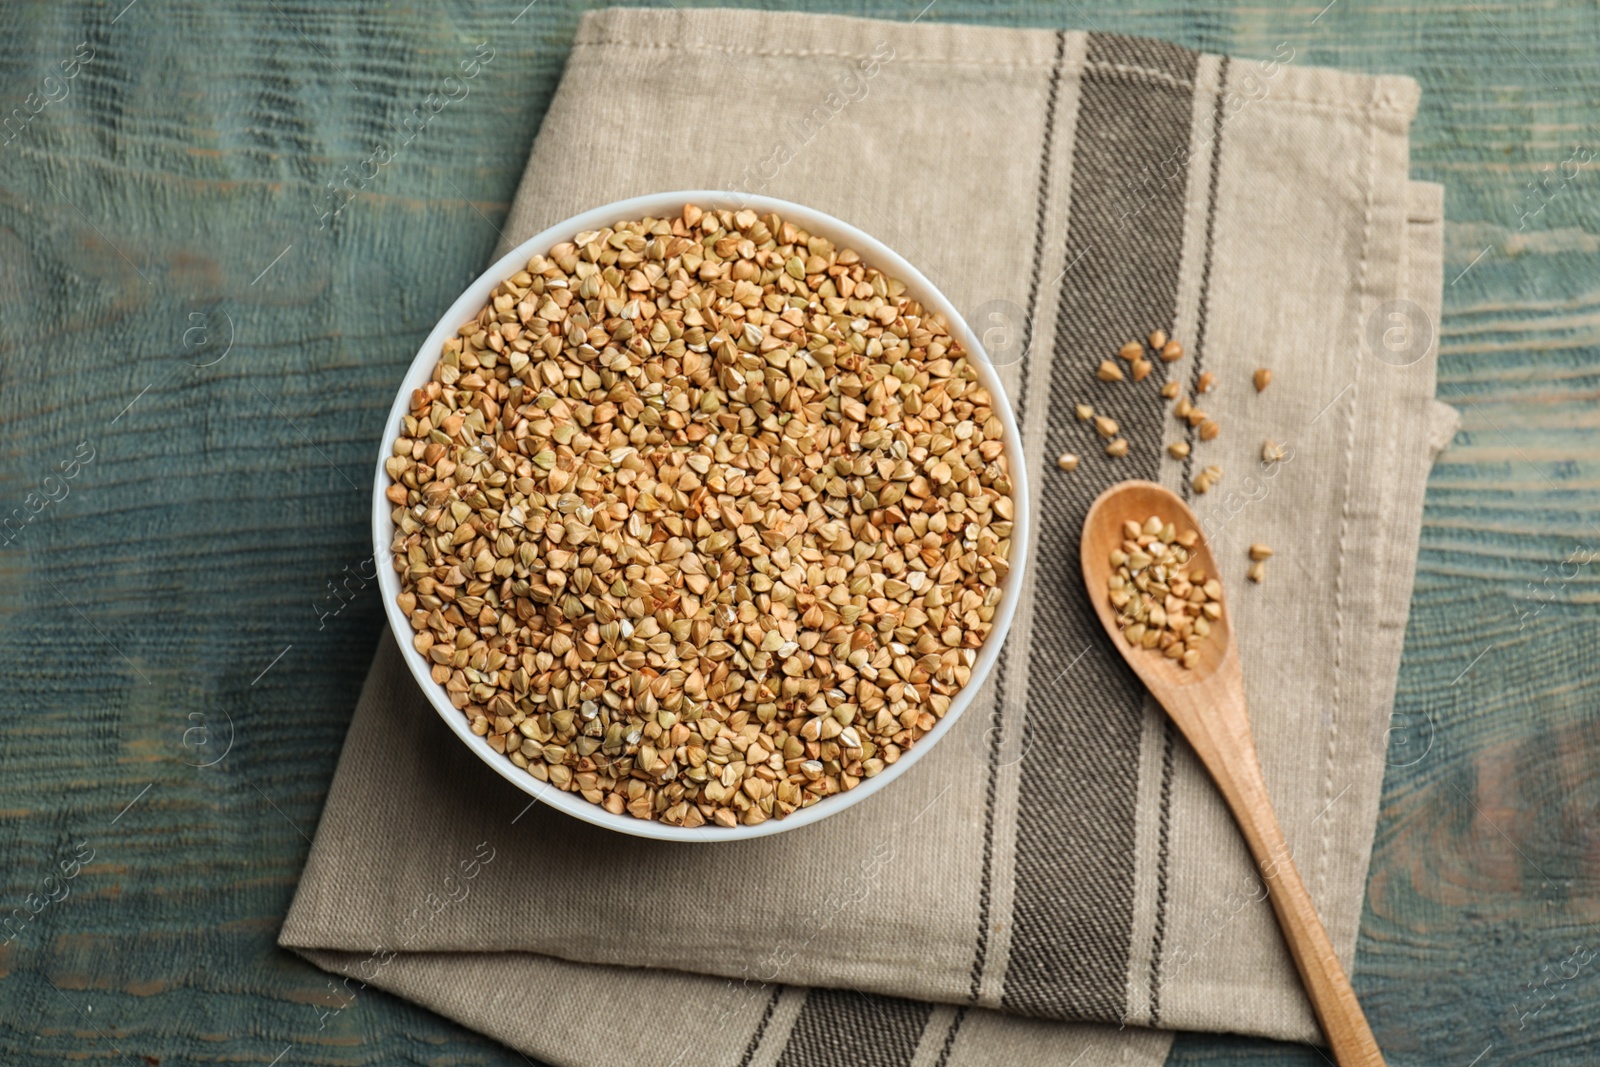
(1059, 866)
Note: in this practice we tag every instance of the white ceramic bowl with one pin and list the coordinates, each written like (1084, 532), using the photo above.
(666, 205)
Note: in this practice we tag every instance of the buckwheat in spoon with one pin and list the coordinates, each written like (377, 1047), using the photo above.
(1156, 588)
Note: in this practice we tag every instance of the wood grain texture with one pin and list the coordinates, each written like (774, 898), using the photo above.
(182, 172)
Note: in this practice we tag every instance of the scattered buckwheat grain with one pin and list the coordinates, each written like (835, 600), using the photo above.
(1207, 478)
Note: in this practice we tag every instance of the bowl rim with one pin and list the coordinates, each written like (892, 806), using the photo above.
(667, 205)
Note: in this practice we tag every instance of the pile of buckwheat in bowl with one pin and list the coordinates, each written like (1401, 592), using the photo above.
(701, 518)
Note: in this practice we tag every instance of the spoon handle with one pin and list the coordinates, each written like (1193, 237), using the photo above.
(1334, 1002)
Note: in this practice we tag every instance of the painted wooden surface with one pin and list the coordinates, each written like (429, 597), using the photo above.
(193, 371)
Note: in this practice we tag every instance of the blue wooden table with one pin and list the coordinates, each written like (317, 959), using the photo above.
(196, 354)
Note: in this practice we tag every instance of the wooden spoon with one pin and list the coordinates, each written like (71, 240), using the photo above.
(1207, 703)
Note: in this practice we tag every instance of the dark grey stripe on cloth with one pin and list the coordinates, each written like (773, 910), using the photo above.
(980, 954)
(1158, 939)
(1197, 356)
(1072, 913)
(950, 1038)
(843, 1028)
(761, 1027)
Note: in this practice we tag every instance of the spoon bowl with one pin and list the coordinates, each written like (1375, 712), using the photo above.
(1207, 704)
(1102, 534)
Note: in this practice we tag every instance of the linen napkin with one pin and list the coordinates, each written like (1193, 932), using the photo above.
(1057, 881)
